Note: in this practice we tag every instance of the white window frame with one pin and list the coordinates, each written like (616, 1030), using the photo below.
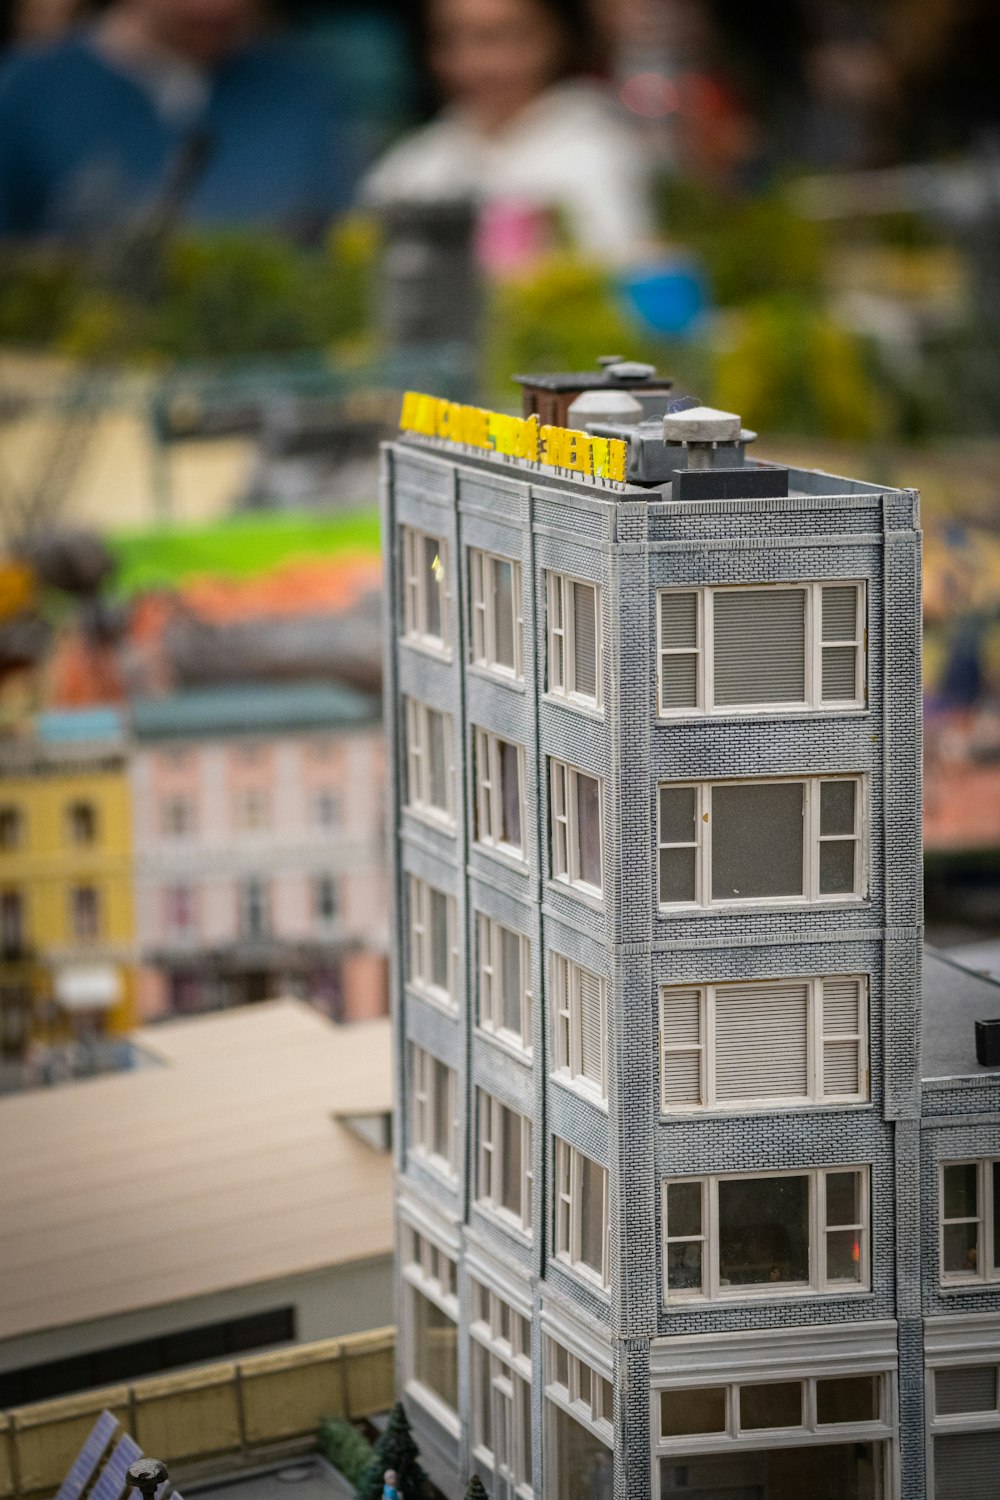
(568, 1229)
(489, 794)
(423, 1109)
(419, 773)
(564, 831)
(704, 652)
(819, 1283)
(421, 1271)
(502, 1332)
(986, 1273)
(421, 943)
(482, 611)
(490, 1008)
(567, 1026)
(707, 1050)
(561, 627)
(811, 837)
(490, 1164)
(415, 627)
(579, 1399)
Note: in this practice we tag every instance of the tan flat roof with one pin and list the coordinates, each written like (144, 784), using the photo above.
(221, 1168)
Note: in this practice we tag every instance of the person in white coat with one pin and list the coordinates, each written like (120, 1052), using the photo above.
(523, 132)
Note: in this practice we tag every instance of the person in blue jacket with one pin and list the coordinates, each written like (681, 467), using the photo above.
(183, 106)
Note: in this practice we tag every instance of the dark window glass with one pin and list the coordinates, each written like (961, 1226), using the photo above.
(687, 1412)
(510, 784)
(757, 840)
(763, 1231)
(852, 1398)
(841, 1471)
(588, 803)
(773, 1405)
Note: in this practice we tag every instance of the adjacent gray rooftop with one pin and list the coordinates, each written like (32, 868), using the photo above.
(955, 997)
(252, 710)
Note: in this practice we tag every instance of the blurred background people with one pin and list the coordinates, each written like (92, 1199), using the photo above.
(188, 106)
(524, 132)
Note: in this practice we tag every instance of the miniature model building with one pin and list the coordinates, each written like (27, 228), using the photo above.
(259, 831)
(67, 942)
(654, 711)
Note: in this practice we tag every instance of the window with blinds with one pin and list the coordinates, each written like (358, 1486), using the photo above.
(966, 1465)
(764, 1044)
(497, 627)
(965, 1389)
(790, 647)
(430, 769)
(433, 1111)
(433, 942)
(426, 593)
(580, 1024)
(581, 1212)
(504, 982)
(574, 639)
(576, 838)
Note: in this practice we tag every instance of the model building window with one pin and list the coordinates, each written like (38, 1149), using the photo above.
(81, 823)
(574, 639)
(430, 1335)
(84, 914)
(760, 841)
(177, 816)
(253, 810)
(180, 914)
(497, 628)
(254, 908)
(575, 811)
(728, 1436)
(433, 942)
(12, 922)
(766, 1234)
(430, 773)
(500, 814)
(504, 1162)
(433, 1111)
(794, 647)
(581, 1228)
(580, 1026)
(325, 808)
(426, 591)
(970, 1222)
(504, 982)
(11, 828)
(500, 1347)
(326, 901)
(718, 1043)
(579, 1415)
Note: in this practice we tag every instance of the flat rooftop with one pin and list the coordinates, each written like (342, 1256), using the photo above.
(955, 997)
(223, 1167)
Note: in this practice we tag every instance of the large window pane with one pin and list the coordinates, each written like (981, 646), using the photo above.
(438, 914)
(850, 1398)
(760, 654)
(441, 1143)
(842, 1471)
(510, 781)
(763, 1231)
(433, 578)
(757, 840)
(510, 1156)
(510, 963)
(592, 1214)
(961, 1195)
(961, 1248)
(689, 1412)
(503, 598)
(772, 1405)
(435, 1349)
(437, 759)
(584, 1467)
(966, 1466)
(585, 638)
(588, 803)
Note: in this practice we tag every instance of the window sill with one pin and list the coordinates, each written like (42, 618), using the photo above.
(583, 1273)
(504, 1219)
(436, 1166)
(507, 1044)
(487, 673)
(428, 647)
(504, 854)
(763, 1294)
(437, 998)
(584, 893)
(585, 706)
(581, 1089)
(433, 1404)
(765, 906)
(767, 711)
(750, 1106)
(960, 1288)
(429, 818)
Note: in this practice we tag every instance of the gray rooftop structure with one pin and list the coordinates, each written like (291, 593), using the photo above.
(251, 709)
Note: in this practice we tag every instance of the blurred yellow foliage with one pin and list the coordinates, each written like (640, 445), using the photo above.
(17, 588)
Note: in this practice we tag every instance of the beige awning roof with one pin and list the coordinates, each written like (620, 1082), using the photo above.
(221, 1168)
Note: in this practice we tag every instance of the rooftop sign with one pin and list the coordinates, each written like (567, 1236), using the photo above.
(514, 437)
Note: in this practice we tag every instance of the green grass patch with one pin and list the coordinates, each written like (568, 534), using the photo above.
(239, 547)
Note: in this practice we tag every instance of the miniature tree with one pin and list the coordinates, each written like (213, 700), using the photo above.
(396, 1449)
(476, 1490)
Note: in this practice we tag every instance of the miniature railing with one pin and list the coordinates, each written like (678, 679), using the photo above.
(206, 1419)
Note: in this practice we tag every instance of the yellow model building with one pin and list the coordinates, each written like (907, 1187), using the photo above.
(67, 959)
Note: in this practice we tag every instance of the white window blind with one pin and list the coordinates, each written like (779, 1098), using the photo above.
(576, 835)
(764, 1043)
(760, 646)
(504, 982)
(580, 1022)
(799, 646)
